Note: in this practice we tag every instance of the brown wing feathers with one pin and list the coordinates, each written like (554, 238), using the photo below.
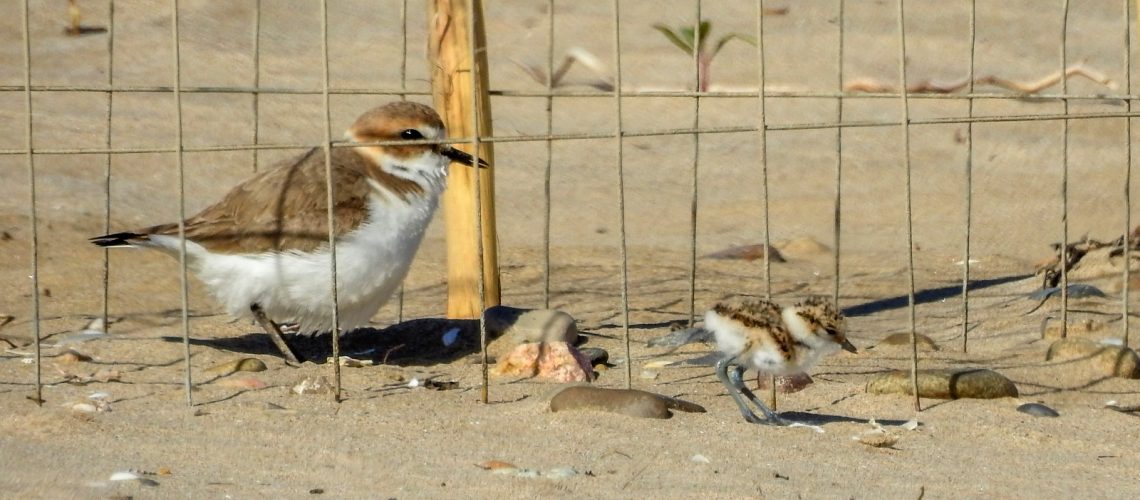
(283, 208)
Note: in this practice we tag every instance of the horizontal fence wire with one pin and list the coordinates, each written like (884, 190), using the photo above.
(572, 93)
(586, 136)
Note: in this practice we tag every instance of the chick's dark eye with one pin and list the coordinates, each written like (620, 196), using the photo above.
(411, 134)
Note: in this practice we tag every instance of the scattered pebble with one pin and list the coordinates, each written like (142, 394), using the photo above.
(815, 428)
(507, 468)
(802, 247)
(700, 459)
(977, 383)
(903, 339)
(630, 402)
(1088, 328)
(785, 384)
(84, 408)
(877, 437)
(72, 356)
(747, 253)
(313, 385)
(237, 365)
(1096, 358)
(520, 326)
(649, 375)
(557, 361)
(133, 476)
(1038, 410)
(251, 383)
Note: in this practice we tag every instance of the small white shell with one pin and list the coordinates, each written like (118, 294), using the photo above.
(125, 475)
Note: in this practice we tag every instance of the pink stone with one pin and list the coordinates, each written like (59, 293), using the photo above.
(557, 361)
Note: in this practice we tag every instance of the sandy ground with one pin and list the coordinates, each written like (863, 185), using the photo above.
(388, 440)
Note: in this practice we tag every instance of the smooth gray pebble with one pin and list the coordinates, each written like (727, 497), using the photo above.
(1038, 410)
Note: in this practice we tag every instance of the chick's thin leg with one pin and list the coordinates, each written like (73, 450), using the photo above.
(734, 382)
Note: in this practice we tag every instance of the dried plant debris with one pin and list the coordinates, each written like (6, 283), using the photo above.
(102, 375)
(573, 55)
(1025, 88)
(1107, 252)
(350, 362)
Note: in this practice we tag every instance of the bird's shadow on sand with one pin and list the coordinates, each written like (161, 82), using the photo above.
(822, 419)
(413, 342)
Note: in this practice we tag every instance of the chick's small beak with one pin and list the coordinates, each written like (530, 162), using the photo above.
(462, 157)
(848, 346)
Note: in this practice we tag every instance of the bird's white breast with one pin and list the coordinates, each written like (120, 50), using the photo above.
(294, 287)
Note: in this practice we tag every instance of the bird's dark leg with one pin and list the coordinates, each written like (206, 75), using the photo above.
(274, 332)
(734, 381)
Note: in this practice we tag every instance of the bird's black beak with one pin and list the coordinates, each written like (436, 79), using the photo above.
(848, 346)
(462, 157)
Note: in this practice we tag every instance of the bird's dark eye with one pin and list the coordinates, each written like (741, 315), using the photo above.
(411, 134)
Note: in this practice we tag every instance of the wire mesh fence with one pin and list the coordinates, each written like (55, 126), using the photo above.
(634, 160)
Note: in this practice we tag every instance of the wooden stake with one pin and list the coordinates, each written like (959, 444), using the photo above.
(450, 53)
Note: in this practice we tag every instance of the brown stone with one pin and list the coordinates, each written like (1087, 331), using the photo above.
(630, 402)
(1097, 358)
(511, 326)
(976, 383)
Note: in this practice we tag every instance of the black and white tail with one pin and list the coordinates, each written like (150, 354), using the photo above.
(118, 239)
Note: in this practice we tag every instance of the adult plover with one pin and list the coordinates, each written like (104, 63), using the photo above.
(768, 338)
(263, 253)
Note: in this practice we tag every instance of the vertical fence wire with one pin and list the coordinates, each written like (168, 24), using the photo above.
(905, 129)
(968, 215)
(107, 165)
(1065, 173)
(700, 80)
(549, 154)
(256, 78)
(403, 97)
(330, 193)
(180, 163)
(763, 146)
(476, 87)
(762, 137)
(838, 214)
(619, 156)
(32, 216)
(1127, 176)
